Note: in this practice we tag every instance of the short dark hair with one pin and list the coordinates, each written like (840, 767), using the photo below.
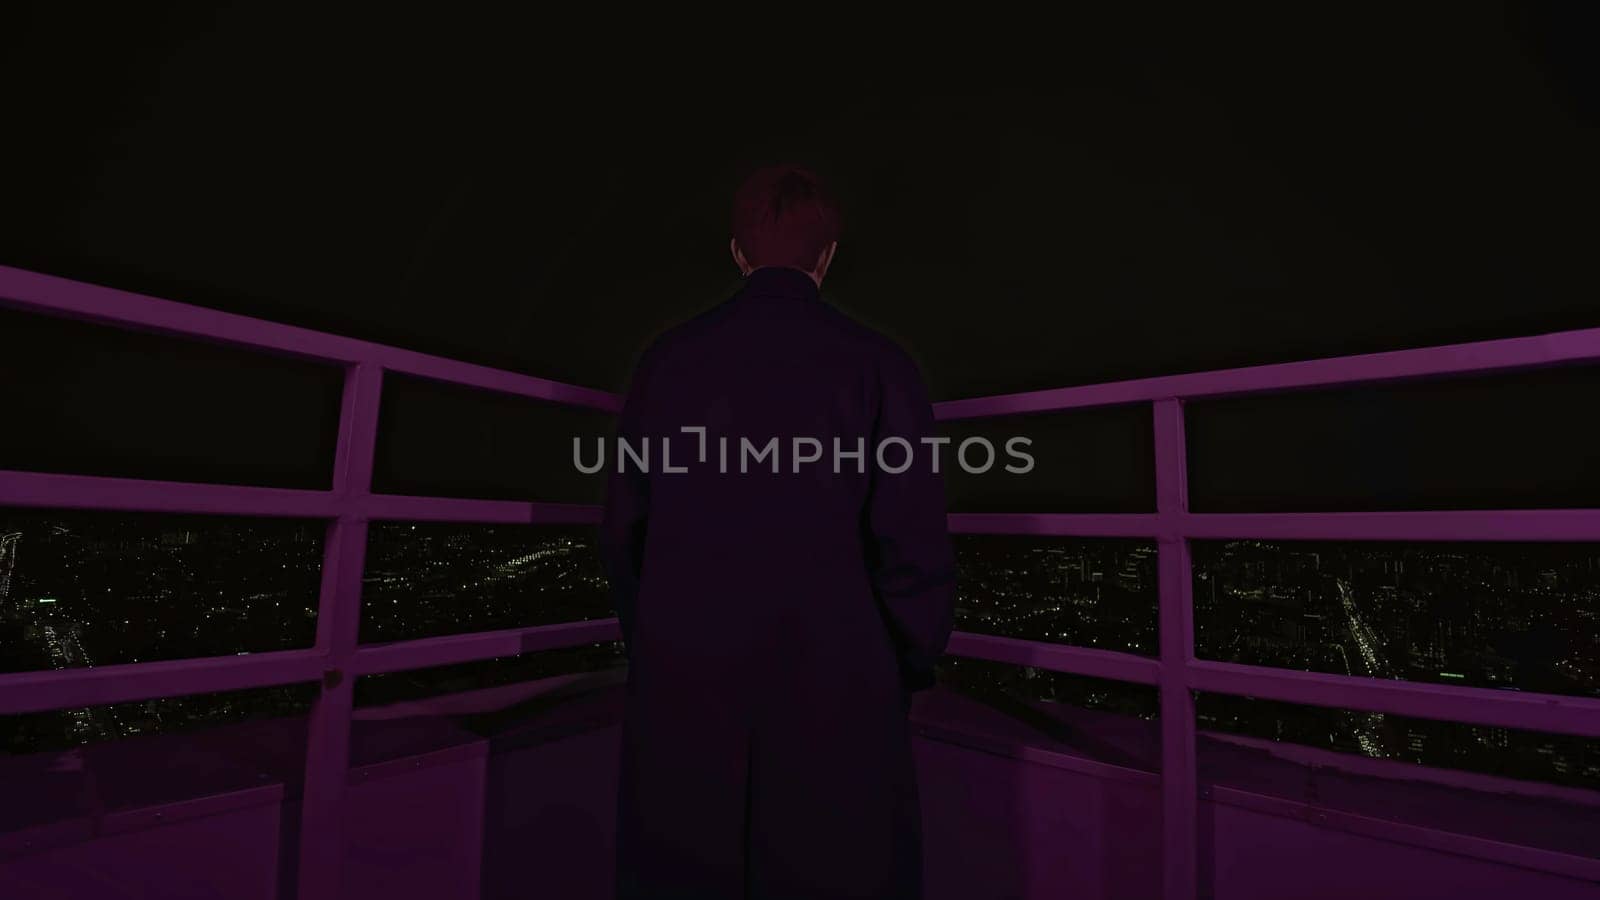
(784, 216)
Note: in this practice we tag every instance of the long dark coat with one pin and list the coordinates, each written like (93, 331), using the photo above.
(775, 623)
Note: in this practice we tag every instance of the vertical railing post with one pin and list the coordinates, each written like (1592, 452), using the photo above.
(1179, 770)
(322, 839)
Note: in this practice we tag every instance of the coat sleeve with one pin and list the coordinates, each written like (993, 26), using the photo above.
(907, 537)
(627, 507)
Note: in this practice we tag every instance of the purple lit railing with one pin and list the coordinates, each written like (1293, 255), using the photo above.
(337, 658)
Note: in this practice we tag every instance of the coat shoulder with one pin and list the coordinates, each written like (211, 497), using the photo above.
(683, 333)
(887, 355)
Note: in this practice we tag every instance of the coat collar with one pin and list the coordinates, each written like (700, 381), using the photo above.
(779, 281)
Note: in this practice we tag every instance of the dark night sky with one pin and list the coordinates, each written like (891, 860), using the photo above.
(1025, 208)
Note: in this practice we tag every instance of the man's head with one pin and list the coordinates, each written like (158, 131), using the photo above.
(785, 216)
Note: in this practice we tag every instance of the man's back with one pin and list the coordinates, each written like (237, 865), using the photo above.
(780, 597)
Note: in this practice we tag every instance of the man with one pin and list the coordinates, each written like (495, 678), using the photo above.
(778, 608)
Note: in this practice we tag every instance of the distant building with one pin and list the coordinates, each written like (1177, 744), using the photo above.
(8, 560)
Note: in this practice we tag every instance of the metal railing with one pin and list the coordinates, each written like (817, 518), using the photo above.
(337, 657)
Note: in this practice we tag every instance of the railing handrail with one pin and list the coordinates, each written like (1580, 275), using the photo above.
(54, 295)
(64, 298)
(1477, 357)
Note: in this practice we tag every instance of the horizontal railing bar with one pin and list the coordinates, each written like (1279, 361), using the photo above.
(23, 692)
(1577, 346)
(567, 514)
(395, 507)
(59, 491)
(52, 295)
(1476, 706)
(39, 691)
(1110, 664)
(424, 653)
(500, 381)
(1146, 525)
(1445, 525)
(50, 490)
(1448, 525)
